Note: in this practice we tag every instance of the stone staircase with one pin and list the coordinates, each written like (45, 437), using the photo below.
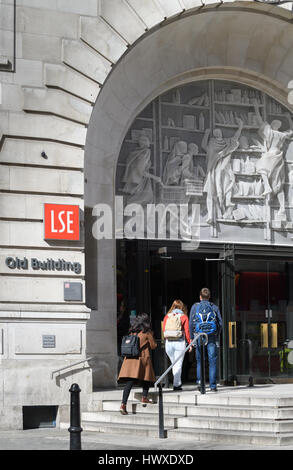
(241, 416)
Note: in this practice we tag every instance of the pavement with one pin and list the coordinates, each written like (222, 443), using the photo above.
(54, 439)
(58, 440)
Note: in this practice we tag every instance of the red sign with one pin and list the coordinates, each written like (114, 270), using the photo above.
(61, 222)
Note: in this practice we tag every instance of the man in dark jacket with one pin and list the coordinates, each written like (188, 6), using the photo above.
(205, 315)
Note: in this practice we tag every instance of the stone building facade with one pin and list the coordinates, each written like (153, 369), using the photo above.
(74, 76)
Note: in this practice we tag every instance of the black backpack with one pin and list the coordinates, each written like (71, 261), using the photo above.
(130, 346)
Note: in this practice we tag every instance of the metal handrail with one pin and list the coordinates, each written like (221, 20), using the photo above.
(162, 433)
(179, 357)
(71, 365)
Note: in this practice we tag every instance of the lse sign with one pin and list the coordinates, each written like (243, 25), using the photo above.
(61, 222)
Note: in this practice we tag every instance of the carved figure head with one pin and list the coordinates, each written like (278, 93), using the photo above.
(143, 141)
(181, 147)
(192, 148)
(276, 124)
(218, 133)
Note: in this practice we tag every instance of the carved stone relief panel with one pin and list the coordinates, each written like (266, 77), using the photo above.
(220, 144)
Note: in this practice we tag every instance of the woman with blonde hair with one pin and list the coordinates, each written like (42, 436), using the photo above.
(176, 334)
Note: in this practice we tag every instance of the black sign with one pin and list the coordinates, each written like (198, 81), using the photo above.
(48, 265)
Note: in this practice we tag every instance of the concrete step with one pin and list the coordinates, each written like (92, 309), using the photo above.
(235, 424)
(256, 416)
(118, 418)
(136, 407)
(246, 397)
(210, 398)
(228, 437)
(202, 422)
(248, 412)
(119, 428)
(189, 434)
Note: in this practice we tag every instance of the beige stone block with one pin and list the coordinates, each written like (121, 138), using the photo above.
(28, 152)
(25, 289)
(191, 3)
(4, 178)
(52, 23)
(1, 341)
(172, 7)
(12, 97)
(71, 81)
(57, 102)
(23, 262)
(37, 47)
(6, 41)
(6, 17)
(30, 234)
(122, 18)
(28, 73)
(90, 7)
(28, 339)
(150, 12)
(72, 182)
(101, 37)
(44, 4)
(44, 180)
(31, 206)
(4, 123)
(83, 59)
(37, 386)
(46, 127)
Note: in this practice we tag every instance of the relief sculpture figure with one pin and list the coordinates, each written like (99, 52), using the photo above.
(188, 170)
(220, 177)
(271, 165)
(137, 177)
(173, 167)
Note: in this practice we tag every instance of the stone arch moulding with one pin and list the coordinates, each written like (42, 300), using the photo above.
(232, 45)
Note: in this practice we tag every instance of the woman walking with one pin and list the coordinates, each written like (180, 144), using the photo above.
(176, 334)
(139, 370)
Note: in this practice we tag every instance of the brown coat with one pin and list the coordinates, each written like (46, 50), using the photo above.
(140, 368)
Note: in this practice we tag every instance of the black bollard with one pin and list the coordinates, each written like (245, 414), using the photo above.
(250, 381)
(202, 366)
(75, 429)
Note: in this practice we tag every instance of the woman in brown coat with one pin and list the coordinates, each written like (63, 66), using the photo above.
(139, 369)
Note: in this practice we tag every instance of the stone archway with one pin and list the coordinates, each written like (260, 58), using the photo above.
(232, 43)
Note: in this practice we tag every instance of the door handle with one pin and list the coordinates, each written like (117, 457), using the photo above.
(264, 335)
(232, 335)
(274, 335)
(162, 336)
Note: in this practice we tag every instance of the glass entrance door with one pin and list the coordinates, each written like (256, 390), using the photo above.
(264, 317)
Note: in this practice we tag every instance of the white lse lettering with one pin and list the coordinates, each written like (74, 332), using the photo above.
(64, 226)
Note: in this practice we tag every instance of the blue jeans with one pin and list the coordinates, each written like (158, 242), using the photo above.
(212, 350)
